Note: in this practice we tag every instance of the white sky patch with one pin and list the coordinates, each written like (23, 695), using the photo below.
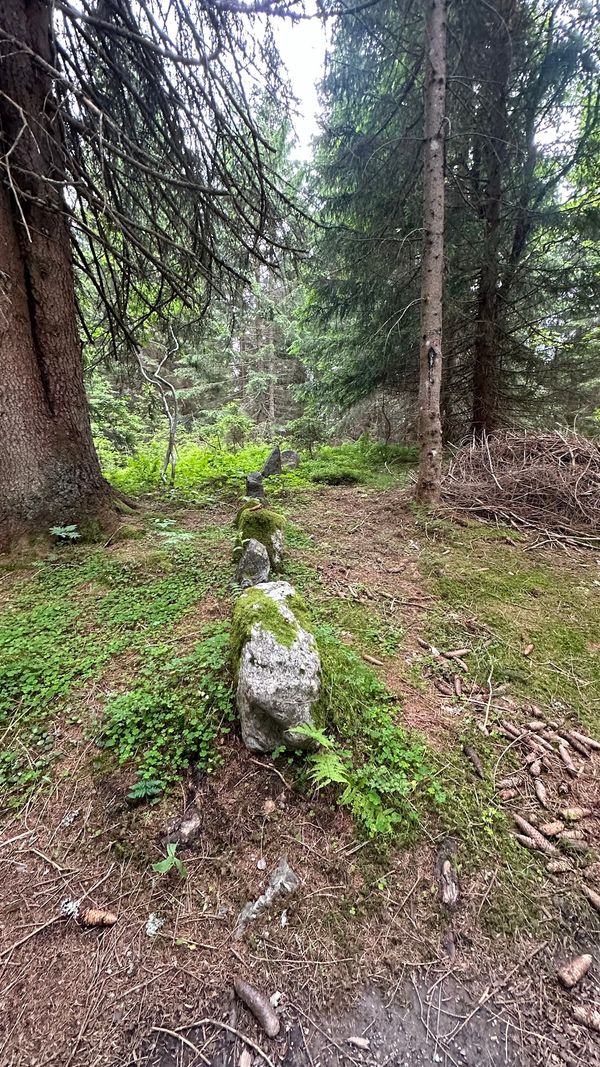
(302, 47)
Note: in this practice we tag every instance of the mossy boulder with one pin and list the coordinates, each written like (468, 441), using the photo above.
(265, 526)
(277, 666)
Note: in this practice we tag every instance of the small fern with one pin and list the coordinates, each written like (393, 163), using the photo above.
(65, 533)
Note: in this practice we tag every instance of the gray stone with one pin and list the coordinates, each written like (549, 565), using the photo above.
(278, 684)
(283, 882)
(290, 459)
(254, 486)
(272, 464)
(254, 565)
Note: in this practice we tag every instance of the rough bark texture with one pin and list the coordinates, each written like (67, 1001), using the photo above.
(488, 349)
(49, 471)
(432, 269)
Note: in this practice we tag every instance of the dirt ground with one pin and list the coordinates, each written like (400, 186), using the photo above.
(366, 964)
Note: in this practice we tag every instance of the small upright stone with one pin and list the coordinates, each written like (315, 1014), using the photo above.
(272, 464)
(254, 565)
(290, 459)
(254, 486)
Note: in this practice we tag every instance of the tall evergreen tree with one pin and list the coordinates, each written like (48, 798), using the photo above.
(126, 133)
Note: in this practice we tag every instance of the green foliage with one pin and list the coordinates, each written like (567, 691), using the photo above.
(175, 713)
(307, 431)
(65, 533)
(202, 469)
(358, 326)
(64, 623)
(380, 766)
(170, 862)
(233, 426)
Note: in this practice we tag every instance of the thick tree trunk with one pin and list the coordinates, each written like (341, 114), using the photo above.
(432, 268)
(488, 347)
(49, 471)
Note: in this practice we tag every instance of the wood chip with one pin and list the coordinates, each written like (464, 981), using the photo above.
(528, 650)
(572, 972)
(373, 659)
(449, 884)
(359, 1042)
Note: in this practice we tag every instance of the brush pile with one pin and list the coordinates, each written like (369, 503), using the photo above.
(549, 483)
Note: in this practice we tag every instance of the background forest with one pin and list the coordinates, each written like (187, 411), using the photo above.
(323, 344)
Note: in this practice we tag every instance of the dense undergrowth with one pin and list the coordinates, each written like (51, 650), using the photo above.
(204, 469)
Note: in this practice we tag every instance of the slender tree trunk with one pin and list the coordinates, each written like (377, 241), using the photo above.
(49, 471)
(488, 347)
(432, 268)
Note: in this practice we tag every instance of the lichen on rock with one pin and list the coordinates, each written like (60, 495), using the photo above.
(277, 666)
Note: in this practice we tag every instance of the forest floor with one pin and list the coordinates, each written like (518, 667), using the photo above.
(97, 641)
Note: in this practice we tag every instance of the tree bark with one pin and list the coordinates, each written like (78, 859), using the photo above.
(49, 471)
(432, 268)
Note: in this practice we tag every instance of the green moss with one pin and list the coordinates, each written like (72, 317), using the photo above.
(255, 606)
(127, 532)
(496, 599)
(261, 524)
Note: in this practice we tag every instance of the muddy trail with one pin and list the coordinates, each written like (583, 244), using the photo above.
(367, 962)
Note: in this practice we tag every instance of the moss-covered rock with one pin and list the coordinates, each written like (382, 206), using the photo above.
(265, 526)
(277, 667)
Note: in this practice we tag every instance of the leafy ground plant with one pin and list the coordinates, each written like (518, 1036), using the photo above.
(174, 715)
(171, 862)
(362, 748)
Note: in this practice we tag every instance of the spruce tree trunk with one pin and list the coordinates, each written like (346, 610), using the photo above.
(432, 267)
(49, 471)
(487, 364)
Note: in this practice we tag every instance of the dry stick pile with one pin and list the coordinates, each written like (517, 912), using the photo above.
(549, 483)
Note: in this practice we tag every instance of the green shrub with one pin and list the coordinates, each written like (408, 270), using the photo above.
(174, 715)
(379, 765)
